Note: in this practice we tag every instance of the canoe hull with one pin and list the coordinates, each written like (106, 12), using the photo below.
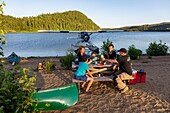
(56, 99)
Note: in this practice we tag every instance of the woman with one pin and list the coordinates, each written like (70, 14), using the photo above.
(81, 53)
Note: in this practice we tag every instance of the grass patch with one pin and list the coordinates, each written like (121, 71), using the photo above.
(5, 63)
(17, 67)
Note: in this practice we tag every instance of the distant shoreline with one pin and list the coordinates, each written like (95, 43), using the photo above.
(82, 31)
(42, 57)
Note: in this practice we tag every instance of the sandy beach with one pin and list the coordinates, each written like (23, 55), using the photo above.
(152, 96)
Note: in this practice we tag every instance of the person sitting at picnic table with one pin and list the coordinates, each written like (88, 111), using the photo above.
(111, 54)
(93, 57)
(80, 53)
(124, 72)
(80, 74)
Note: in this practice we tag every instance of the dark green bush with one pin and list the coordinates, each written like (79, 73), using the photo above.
(157, 49)
(133, 52)
(16, 87)
(48, 66)
(17, 67)
(15, 91)
(67, 60)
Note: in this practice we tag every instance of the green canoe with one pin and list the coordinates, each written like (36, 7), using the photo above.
(57, 98)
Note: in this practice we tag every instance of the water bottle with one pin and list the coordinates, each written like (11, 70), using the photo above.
(76, 61)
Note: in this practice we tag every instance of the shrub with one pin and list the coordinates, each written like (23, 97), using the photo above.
(48, 66)
(5, 63)
(2, 34)
(105, 45)
(16, 91)
(67, 60)
(15, 88)
(157, 49)
(133, 52)
(17, 67)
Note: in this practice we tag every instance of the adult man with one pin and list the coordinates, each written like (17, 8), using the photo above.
(125, 70)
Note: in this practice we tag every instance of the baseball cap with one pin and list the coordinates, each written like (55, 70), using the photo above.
(122, 50)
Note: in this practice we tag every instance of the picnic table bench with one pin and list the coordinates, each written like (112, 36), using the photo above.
(96, 79)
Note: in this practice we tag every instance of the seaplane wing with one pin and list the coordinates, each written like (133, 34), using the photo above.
(83, 35)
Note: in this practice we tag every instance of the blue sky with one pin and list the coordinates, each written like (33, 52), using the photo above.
(105, 13)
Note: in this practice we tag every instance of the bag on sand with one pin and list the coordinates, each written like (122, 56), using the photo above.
(134, 81)
(141, 76)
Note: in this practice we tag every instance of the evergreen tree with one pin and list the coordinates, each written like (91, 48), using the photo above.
(69, 20)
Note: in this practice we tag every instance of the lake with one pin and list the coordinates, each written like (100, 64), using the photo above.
(56, 44)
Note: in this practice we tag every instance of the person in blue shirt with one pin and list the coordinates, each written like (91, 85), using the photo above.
(81, 74)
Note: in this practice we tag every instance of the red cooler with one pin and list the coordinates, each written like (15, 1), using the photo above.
(134, 80)
(141, 77)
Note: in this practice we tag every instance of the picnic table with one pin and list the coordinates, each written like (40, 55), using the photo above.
(99, 69)
(96, 68)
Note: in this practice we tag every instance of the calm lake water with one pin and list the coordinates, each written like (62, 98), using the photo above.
(56, 44)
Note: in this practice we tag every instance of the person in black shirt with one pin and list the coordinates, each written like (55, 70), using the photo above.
(111, 54)
(125, 70)
(81, 53)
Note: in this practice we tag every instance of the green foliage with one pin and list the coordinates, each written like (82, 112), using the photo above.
(15, 91)
(157, 49)
(165, 26)
(5, 63)
(105, 45)
(67, 60)
(17, 67)
(48, 66)
(15, 88)
(2, 35)
(70, 20)
(1, 8)
(133, 52)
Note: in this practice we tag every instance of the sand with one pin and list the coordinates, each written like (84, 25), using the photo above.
(152, 96)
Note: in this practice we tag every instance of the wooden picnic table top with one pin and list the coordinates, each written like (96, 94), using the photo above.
(94, 68)
(93, 65)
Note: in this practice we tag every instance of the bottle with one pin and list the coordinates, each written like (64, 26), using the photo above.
(102, 56)
(76, 61)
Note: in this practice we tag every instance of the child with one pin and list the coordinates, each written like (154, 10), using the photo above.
(40, 66)
(93, 57)
(80, 74)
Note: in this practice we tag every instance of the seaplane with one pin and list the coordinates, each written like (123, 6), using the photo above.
(84, 39)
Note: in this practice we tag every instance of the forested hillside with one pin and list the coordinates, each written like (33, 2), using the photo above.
(70, 20)
(165, 26)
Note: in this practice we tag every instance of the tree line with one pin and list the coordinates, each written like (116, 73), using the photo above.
(165, 26)
(69, 20)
